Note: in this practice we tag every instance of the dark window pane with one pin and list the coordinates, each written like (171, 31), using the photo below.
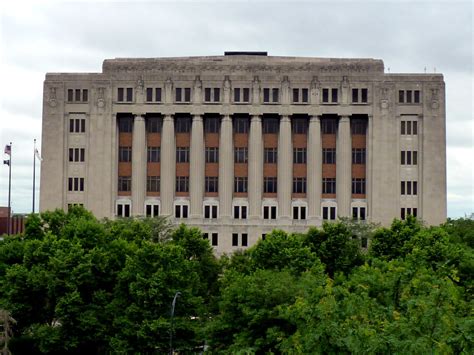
(149, 94)
(325, 95)
(246, 95)
(187, 94)
(296, 95)
(70, 95)
(364, 95)
(304, 94)
(129, 94)
(236, 95)
(275, 94)
(77, 95)
(158, 94)
(266, 95)
(334, 95)
(85, 95)
(355, 95)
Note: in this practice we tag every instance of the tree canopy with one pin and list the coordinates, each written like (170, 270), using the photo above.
(74, 284)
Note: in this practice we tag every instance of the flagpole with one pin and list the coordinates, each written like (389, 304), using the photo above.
(9, 191)
(34, 174)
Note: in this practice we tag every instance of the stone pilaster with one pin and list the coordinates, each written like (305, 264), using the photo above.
(255, 167)
(197, 166)
(344, 167)
(138, 165)
(168, 166)
(226, 168)
(368, 167)
(285, 168)
(314, 173)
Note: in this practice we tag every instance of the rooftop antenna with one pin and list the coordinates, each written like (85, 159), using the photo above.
(425, 70)
(388, 69)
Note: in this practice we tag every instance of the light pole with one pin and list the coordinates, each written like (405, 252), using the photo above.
(172, 319)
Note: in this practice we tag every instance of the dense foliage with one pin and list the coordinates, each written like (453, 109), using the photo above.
(78, 285)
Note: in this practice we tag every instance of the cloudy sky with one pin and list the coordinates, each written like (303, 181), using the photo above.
(76, 36)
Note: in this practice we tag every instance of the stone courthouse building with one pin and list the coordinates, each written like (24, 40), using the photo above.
(244, 143)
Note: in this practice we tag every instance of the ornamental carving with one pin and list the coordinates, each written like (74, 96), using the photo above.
(52, 97)
(100, 97)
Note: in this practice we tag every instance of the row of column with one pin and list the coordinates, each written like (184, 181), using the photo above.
(255, 167)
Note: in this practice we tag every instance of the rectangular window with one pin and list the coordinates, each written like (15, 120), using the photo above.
(415, 127)
(329, 155)
(153, 154)
(149, 94)
(211, 125)
(207, 94)
(181, 211)
(275, 95)
(85, 95)
(364, 95)
(362, 213)
(125, 154)
(77, 125)
(300, 125)
(76, 184)
(129, 94)
(354, 212)
(270, 155)
(235, 239)
(240, 155)
(415, 157)
(304, 95)
(299, 185)
(125, 124)
(152, 210)
(328, 126)
(402, 128)
(153, 124)
(269, 212)
(217, 94)
(296, 95)
(212, 155)
(182, 154)
(178, 95)
(244, 239)
(299, 155)
(183, 125)
(212, 184)
(355, 95)
(299, 212)
(124, 183)
(358, 186)
(187, 94)
(401, 96)
(210, 211)
(246, 95)
(325, 95)
(77, 96)
(334, 97)
(358, 126)
(266, 95)
(270, 125)
(241, 125)
(120, 94)
(329, 186)
(270, 184)
(182, 183)
(240, 212)
(236, 94)
(214, 239)
(417, 96)
(409, 96)
(415, 188)
(76, 154)
(358, 155)
(240, 184)
(402, 158)
(329, 213)
(158, 94)
(70, 95)
(153, 183)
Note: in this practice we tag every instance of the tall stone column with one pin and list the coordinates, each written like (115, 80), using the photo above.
(197, 167)
(344, 167)
(285, 168)
(255, 167)
(314, 174)
(168, 166)
(226, 167)
(138, 165)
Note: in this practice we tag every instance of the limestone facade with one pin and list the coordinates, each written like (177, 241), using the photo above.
(241, 144)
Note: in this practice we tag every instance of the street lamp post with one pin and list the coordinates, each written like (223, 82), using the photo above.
(172, 319)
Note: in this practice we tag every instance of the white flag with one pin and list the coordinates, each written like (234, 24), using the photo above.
(38, 155)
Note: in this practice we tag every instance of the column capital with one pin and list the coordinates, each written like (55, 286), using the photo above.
(256, 118)
(284, 118)
(226, 118)
(315, 119)
(139, 116)
(197, 118)
(168, 118)
(344, 118)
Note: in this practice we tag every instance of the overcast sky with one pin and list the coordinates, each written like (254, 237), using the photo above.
(78, 36)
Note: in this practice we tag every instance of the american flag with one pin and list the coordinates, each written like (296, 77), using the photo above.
(8, 149)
